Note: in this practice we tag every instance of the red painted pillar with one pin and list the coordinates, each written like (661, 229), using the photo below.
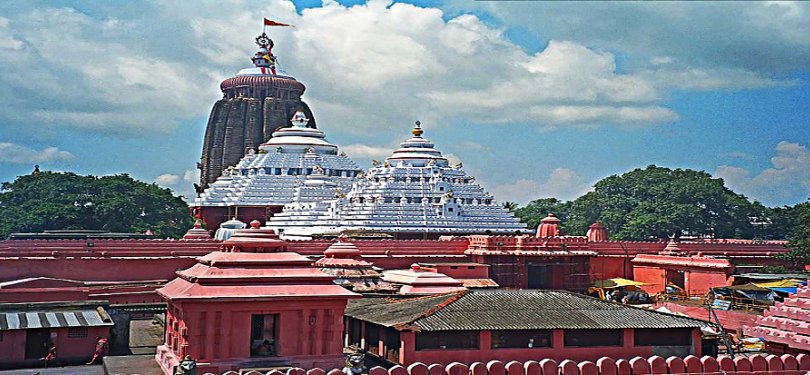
(558, 339)
(485, 340)
(628, 340)
(697, 347)
(408, 347)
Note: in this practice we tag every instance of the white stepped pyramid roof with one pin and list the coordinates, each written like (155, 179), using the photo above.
(415, 190)
(296, 164)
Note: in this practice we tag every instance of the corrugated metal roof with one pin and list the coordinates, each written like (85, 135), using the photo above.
(515, 309)
(11, 320)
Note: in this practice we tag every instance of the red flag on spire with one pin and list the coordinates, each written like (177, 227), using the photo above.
(274, 23)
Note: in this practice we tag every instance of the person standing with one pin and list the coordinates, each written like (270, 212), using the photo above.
(51, 356)
(102, 348)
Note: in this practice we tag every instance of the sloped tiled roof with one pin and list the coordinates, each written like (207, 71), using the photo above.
(511, 309)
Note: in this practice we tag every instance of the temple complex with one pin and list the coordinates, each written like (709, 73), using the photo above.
(414, 193)
(255, 103)
(296, 165)
(411, 261)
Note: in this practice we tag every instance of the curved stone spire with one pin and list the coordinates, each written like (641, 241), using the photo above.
(256, 102)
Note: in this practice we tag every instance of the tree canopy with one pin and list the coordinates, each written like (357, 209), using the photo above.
(51, 201)
(655, 202)
(800, 235)
(536, 210)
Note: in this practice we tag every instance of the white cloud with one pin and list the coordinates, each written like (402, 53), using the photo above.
(787, 182)
(191, 175)
(7, 41)
(472, 146)
(369, 66)
(18, 154)
(167, 179)
(561, 183)
(361, 151)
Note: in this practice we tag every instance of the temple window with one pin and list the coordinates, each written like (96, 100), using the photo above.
(447, 340)
(593, 337)
(521, 339)
(662, 337)
(77, 332)
(263, 333)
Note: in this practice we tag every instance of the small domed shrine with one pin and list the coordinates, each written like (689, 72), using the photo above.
(255, 103)
(419, 281)
(549, 226)
(342, 259)
(597, 232)
(414, 193)
(296, 164)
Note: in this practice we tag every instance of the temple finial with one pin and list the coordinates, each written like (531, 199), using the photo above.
(417, 130)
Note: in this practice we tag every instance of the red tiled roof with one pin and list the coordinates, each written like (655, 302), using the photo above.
(786, 322)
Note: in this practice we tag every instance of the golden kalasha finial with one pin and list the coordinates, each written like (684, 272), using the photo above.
(417, 130)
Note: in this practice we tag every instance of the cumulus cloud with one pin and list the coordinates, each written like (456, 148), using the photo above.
(167, 179)
(376, 65)
(786, 182)
(85, 73)
(762, 37)
(561, 183)
(18, 154)
(191, 175)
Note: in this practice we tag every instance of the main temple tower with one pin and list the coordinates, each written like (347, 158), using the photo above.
(254, 103)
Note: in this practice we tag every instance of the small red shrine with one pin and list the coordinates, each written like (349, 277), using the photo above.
(239, 310)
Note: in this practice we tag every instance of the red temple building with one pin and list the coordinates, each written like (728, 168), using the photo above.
(239, 310)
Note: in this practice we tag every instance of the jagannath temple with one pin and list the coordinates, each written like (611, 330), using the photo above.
(255, 103)
(415, 193)
(295, 164)
(303, 187)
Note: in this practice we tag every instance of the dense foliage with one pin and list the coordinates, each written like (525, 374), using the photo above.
(536, 210)
(800, 235)
(48, 201)
(656, 202)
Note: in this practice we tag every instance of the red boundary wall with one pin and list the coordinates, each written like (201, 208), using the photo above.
(757, 364)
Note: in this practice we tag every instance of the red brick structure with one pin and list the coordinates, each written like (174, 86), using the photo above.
(786, 325)
(694, 274)
(479, 325)
(253, 310)
(27, 330)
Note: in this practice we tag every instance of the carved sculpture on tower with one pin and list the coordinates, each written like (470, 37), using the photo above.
(255, 103)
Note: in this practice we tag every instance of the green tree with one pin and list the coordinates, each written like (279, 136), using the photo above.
(655, 202)
(536, 210)
(510, 206)
(49, 200)
(799, 241)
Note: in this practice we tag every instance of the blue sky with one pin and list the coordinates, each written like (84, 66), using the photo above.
(537, 99)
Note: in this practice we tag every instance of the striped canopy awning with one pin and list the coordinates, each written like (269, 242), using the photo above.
(10, 320)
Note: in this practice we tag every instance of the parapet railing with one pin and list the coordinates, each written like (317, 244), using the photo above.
(757, 364)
